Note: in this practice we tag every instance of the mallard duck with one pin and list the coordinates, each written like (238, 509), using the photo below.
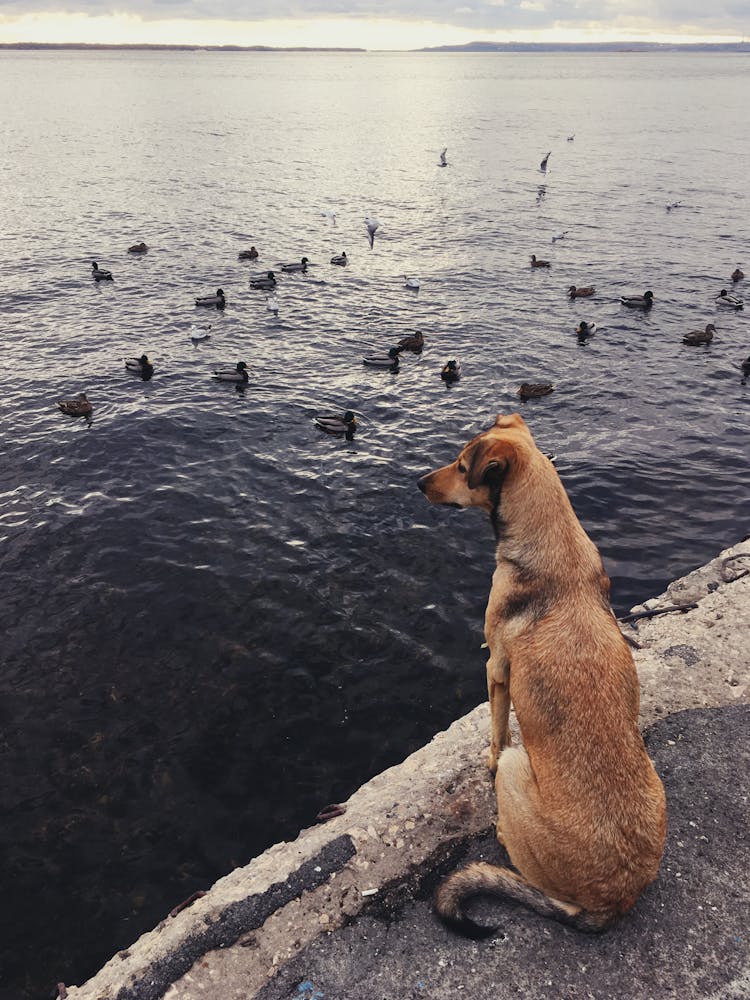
(415, 343)
(237, 374)
(337, 423)
(341, 259)
(268, 282)
(99, 274)
(412, 283)
(737, 274)
(138, 248)
(581, 293)
(140, 366)
(200, 332)
(389, 360)
(372, 228)
(538, 263)
(530, 390)
(217, 300)
(290, 268)
(585, 329)
(78, 407)
(251, 254)
(451, 371)
(644, 301)
(730, 301)
(700, 336)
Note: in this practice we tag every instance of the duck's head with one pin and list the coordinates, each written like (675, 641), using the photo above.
(648, 295)
(143, 359)
(710, 328)
(219, 293)
(241, 366)
(723, 292)
(304, 260)
(94, 265)
(271, 275)
(572, 290)
(349, 417)
(393, 352)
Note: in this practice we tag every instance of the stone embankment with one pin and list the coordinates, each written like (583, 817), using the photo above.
(262, 928)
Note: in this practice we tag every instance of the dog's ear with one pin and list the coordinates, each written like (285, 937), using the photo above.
(488, 458)
(509, 420)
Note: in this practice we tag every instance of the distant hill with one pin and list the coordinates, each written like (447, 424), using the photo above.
(589, 47)
(168, 48)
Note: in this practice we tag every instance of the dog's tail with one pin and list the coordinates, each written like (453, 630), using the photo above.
(494, 881)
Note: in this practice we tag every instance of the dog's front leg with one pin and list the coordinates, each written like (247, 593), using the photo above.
(498, 690)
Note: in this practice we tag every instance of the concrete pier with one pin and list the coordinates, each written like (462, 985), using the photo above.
(343, 911)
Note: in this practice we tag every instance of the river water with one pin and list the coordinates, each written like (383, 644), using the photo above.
(216, 618)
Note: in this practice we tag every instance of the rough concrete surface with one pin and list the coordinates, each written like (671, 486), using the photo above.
(406, 825)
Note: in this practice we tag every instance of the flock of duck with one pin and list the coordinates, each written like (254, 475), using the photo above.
(345, 423)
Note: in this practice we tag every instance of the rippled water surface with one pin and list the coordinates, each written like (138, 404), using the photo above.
(216, 618)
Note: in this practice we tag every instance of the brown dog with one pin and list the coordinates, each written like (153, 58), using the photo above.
(581, 810)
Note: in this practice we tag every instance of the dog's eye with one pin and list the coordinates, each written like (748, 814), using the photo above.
(461, 468)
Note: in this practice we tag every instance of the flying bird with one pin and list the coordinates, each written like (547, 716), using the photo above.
(372, 228)
(443, 162)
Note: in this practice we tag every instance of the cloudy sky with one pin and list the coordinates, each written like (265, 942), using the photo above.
(388, 24)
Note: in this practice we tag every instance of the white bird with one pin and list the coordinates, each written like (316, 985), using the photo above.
(372, 227)
(412, 283)
(560, 236)
(272, 303)
(200, 332)
(674, 204)
(331, 216)
(443, 162)
(543, 164)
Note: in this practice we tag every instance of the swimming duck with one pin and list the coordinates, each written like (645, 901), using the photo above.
(412, 283)
(443, 162)
(451, 371)
(138, 248)
(337, 423)
(560, 236)
(372, 228)
(700, 336)
(674, 204)
(272, 304)
(581, 293)
(414, 343)
(251, 254)
(538, 263)
(302, 266)
(745, 367)
(140, 366)
(237, 374)
(644, 301)
(585, 329)
(78, 407)
(530, 390)
(389, 360)
(725, 299)
(268, 282)
(217, 300)
(200, 332)
(99, 274)
(737, 274)
(341, 259)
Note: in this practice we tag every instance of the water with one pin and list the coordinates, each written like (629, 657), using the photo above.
(218, 619)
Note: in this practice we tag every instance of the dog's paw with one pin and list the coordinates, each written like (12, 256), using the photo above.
(492, 762)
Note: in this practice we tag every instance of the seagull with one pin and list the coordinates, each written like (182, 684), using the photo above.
(200, 332)
(272, 304)
(443, 161)
(372, 227)
(560, 236)
(543, 164)
(331, 216)
(674, 204)
(412, 283)
(571, 137)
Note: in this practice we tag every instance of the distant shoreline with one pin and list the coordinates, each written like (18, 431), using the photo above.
(471, 47)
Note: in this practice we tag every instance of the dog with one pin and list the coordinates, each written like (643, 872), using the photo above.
(581, 810)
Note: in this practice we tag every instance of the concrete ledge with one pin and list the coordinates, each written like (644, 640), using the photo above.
(237, 937)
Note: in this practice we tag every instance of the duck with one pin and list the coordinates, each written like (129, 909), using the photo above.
(341, 259)
(737, 274)
(268, 282)
(237, 374)
(538, 263)
(585, 329)
(337, 423)
(140, 366)
(389, 360)
(700, 336)
(531, 390)
(138, 248)
(412, 283)
(414, 343)
(725, 299)
(78, 407)
(272, 303)
(217, 300)
(200, 332)
(251, 254)
(581, 293)
(745, 367)
(451, 371)
(673, 204)
(302, 266)
(99, 274)
(644, 301)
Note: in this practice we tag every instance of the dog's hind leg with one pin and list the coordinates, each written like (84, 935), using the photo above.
(498, 692)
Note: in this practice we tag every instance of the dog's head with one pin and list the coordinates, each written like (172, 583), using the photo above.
(475, 478)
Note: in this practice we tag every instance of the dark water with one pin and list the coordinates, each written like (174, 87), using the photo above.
(217, 619)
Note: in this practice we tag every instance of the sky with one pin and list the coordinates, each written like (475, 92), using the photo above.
(372, 24)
